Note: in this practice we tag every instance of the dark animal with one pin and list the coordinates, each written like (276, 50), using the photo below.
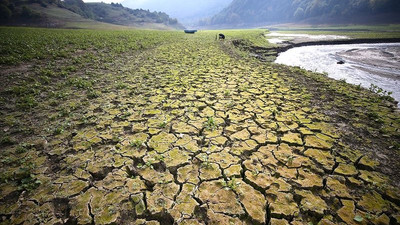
(340, 62)
(221, 36)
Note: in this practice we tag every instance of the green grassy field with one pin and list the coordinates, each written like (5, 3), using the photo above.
(254, 36)
(161, 127)
(352, 31)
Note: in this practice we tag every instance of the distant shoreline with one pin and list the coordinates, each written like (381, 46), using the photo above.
(290, 45)
(265, 53)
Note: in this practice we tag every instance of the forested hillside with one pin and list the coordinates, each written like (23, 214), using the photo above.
(117, 14)
(187, 12)
(52, 12)
(255, 12)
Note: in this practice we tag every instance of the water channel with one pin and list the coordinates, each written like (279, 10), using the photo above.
(365, 64)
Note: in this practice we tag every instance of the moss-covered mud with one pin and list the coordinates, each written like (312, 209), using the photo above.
(188, 131)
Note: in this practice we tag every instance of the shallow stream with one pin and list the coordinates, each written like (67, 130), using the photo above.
(365, 64)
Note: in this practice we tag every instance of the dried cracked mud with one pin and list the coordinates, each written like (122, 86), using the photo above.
(186, 133)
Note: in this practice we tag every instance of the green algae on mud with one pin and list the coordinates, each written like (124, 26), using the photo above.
(188, 130)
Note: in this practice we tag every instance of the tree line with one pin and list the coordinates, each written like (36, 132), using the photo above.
(256, 11)
(20, 10)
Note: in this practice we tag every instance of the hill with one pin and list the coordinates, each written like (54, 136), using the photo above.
(187, 12)
(117, 14)
(77, 14)
(258, 13)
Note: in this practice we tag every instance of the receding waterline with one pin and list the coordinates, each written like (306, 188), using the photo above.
(364, 64)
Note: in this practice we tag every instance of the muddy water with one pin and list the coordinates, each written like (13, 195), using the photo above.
(364, 64)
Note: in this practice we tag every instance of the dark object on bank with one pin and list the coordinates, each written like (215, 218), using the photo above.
(340, 62)
(190, 31)
(221, 36)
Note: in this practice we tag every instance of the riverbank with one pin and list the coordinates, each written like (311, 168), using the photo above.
(320, 85)
(301, 43)
(366, 60)
(270, 53)
(367, 65)
(382, 60)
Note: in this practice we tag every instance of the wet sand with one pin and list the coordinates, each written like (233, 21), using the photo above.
(380, 61)
(364, 64)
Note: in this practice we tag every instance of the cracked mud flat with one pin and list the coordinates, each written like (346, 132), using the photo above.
(184, 133)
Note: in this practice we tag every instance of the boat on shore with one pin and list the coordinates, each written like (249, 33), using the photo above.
(190, 31)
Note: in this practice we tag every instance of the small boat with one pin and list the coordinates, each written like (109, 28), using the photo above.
(190, 31)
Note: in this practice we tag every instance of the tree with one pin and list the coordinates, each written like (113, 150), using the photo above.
(299, 13)
(173, 21)
(5, 12)
(26, 12)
